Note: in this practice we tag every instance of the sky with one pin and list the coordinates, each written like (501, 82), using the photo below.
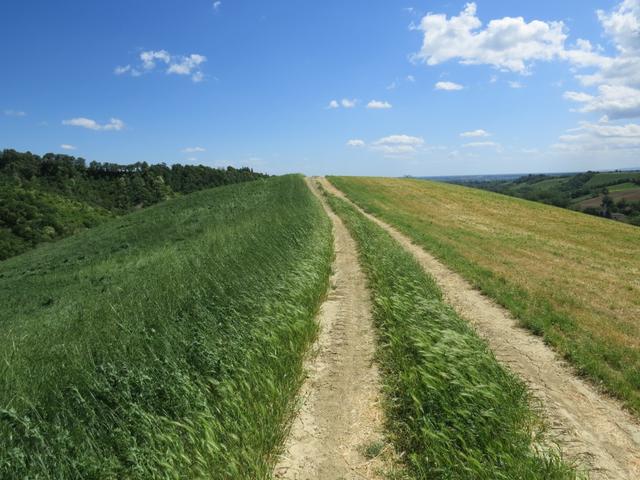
(350, 87)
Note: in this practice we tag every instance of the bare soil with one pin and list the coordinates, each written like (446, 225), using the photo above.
(340, 413)
(593, 429)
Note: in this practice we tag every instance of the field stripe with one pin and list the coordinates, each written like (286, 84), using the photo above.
(593, 428)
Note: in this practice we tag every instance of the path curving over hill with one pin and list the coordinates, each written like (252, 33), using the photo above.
(593, 428)
(340, 413)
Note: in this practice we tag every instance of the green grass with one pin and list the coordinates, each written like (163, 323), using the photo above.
(452, 408)
(621, 187)
(568, 277)
(164, 344)
(609, 178)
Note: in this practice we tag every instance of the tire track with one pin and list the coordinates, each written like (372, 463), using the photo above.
(340, 412)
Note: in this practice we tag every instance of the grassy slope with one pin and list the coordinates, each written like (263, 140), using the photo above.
(453, 409)
(570, 277)
(165, 344)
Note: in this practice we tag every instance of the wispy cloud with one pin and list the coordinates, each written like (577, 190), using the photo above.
(448, 86)
(475, 133)
(217, 4)
(482, 145)
(194, 150)
(114, 124)
(190, 65)
(397, 145)
(378, 105)
(356, 142)
(66, 146)
(15, 113)
(344, 103)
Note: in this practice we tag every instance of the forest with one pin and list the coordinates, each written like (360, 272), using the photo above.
(44, 198)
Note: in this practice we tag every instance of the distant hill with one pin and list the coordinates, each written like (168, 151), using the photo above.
(53, 196)
(613, 195)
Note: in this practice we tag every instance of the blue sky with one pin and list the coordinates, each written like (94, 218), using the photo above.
(358, 87)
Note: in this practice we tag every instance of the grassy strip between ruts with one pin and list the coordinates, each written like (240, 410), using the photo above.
(451, 407)
(164, 344)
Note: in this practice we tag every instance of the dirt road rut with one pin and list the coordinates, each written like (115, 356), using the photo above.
(340, 414)
(593, 428)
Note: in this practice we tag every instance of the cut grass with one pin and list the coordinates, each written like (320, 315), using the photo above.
(165, 344)
(453, 410)
(572, 278)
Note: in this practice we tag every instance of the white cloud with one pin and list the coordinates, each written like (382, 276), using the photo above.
(149, 58)
(378, 105)
(189, 65)
(623, 26)
(515, 85)
(448, 86)
(411, 78)
(356, 142)
(15, 113)
(475, 133)
(174, 64)
(194, 150)
(217, 4)
(121, 70)
(348, 103)
(395, 145)
(113, 124)
(507, 44)
(589, 137)
(66, 146)
(615, 101)
(333, 104)
(482, 145)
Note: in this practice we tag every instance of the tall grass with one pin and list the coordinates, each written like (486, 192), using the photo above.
(165, 344)
(452, 408)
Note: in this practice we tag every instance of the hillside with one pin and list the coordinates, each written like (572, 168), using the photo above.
(167, 343)
(607, 194)
(569, 277)
(50, 197)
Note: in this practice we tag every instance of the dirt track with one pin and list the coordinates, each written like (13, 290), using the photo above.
(340, 414)
(593, 428)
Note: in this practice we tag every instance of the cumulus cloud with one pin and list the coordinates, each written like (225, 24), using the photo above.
(356, 142)
(394, 145)
(616, 78)
(615, 101)
(333, 104)
(509, 43)
(378, 105)
(475, 133)
(448, 86)
(217, 4)
(66, 146)
(589, 137)
(114, 124)
(172, 64)
(15, 113)
(194, 150)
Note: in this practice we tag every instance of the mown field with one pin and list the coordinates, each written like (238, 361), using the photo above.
(452, 409)
(163, 344)
(570, 277)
